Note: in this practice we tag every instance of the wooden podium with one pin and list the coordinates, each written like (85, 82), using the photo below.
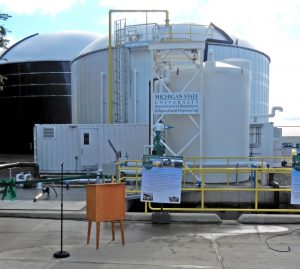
(105, 202)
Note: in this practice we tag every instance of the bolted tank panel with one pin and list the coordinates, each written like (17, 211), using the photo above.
(38, 85)
(34, 92)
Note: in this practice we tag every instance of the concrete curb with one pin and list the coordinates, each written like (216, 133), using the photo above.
(72, 215)
(68, 215)
(195, 217)
(200, 218)
(130, 216)
(135, 216)
(269, 219)
(177, 217)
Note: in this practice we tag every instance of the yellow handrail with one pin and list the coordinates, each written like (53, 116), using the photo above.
(260, 172)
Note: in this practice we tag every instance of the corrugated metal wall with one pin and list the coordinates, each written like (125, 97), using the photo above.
(140, 65)
(63, 146)
(90, 89)
(66, 144)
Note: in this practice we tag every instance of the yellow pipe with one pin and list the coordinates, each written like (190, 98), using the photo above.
(203, 171)
(237, 157)
(256, 191)
(133, 191)
(130, 168)
(228, 177)
(110, 60)
(202, 188)
(224, 209)
(275, 190)
(110, 67)
(136, 179)
(240, 169)
(237, 189)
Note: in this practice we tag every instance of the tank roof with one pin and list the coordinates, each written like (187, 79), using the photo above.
(60, 46)
(96, 45)
(217, 36)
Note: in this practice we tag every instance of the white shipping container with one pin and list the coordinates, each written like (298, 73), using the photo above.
(85, 147)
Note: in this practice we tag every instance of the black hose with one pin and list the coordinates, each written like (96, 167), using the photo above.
(288, 249)
(275, 185)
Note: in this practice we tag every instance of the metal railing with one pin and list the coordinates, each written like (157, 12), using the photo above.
(185, 32)
(152, 32)
(233, 162)
(252, 185)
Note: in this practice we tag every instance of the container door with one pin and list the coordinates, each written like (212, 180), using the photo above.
(89, 149)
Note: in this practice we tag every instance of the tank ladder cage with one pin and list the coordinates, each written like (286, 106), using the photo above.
(119, 43)
(120, 73)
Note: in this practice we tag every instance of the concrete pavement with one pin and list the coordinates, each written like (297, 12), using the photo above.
(75, 210)
(31, 243)
(30, 235)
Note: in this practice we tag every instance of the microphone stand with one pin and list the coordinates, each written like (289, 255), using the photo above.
(61, 253)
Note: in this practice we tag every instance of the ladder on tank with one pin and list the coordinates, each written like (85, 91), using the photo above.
(120, 74)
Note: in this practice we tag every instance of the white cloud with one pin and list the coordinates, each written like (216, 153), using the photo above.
(11, 39)
(30, 7)
(176, 9)
(272, 26)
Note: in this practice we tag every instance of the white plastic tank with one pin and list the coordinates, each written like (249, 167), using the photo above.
(226, 106)
(259, 88)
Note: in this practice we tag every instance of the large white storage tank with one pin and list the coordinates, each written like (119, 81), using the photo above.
(89, 84)
(226, 100)
(259, 88)
(226, 92)
(90, 71)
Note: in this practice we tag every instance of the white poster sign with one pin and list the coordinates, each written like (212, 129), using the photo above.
(295, 194)
(176, 103)
(161, 179)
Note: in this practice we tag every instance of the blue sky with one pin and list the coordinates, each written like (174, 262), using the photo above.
(272, 26)
(79, 16)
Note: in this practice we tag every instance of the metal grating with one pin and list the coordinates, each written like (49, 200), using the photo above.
(48, 132)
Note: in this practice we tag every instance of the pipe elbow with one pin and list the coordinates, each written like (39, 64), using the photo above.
(275, 108)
